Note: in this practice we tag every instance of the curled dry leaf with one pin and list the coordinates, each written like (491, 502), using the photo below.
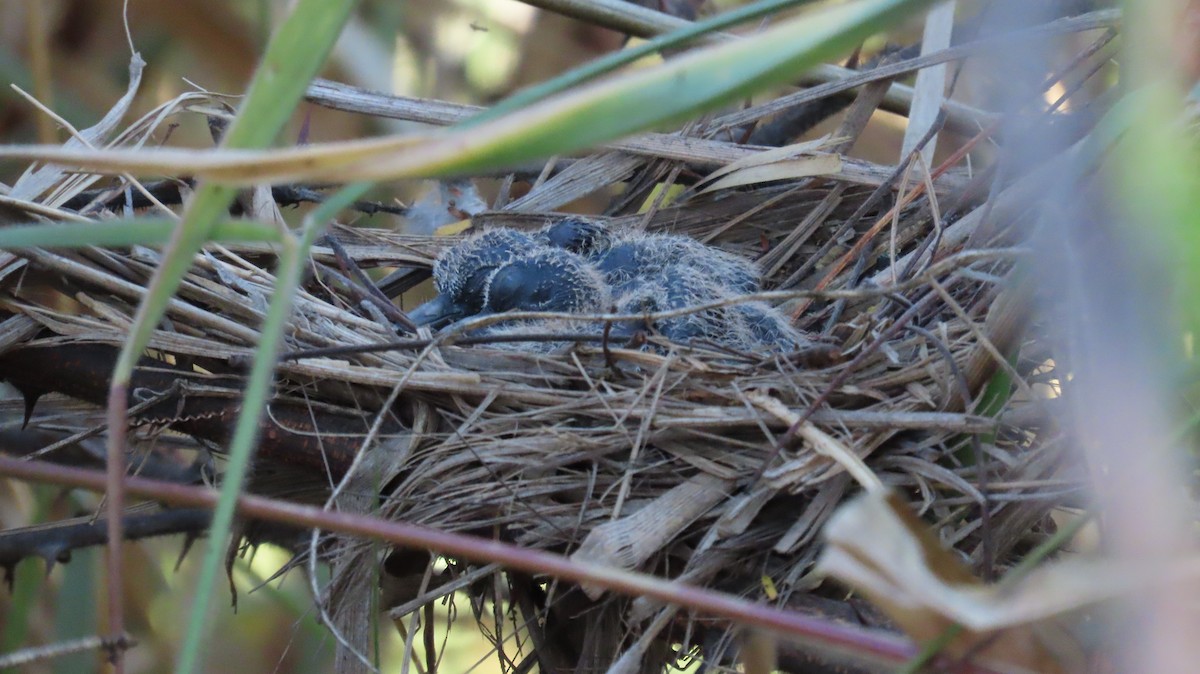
(40, 178)
(875, 544)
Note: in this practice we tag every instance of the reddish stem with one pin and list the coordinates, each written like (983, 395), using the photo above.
(853, 640)
(114, 489)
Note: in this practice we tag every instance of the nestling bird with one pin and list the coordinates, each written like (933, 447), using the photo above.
(578, 235)
(506, 270)
(460, 274)
(578, 266)
(645, 256)
(673, 287)
(546, 279)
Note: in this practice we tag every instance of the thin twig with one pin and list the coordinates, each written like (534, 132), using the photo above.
(725, 606)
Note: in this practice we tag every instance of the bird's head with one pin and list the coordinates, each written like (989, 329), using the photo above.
(578, 235)
(548, 279)
(461, 273)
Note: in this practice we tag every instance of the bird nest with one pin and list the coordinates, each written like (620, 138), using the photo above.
(694, 460)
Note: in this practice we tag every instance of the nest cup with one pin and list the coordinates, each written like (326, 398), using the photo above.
(663, 460)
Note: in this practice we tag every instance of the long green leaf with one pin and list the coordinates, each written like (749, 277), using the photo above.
(1158, 170)
(293, 56)
(594, 114)
(610, 62)
(679, 88)
(128, 232)
(259, 388)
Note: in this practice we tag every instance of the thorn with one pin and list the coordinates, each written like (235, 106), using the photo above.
(188, 540)
(230, 556)
(50, 561)
(233, 593)
(31, 399)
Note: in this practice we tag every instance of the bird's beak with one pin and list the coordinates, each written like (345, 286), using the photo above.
(435, 312)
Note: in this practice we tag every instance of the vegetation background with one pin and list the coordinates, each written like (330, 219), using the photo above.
(72, 55)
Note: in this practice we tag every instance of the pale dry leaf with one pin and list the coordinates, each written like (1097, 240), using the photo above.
(36, 180)
(770, 156)
(789, 169)
(876, 545)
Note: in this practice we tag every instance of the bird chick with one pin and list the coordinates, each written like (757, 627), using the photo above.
(642, 257)
(545, 279)
(548, 279)
(461, 273)
(576, 266)
(763, 326)
(674, 287)
(578, 235)
(747, 326)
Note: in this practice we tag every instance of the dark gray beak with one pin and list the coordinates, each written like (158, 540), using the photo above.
(436, 312)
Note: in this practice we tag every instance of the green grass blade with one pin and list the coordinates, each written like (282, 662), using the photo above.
(610, 62)
(128, 232)
(1160, 188)
(594, 114)
(259, 389)
(1157, 175)
(643, 99)
(293, 56)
